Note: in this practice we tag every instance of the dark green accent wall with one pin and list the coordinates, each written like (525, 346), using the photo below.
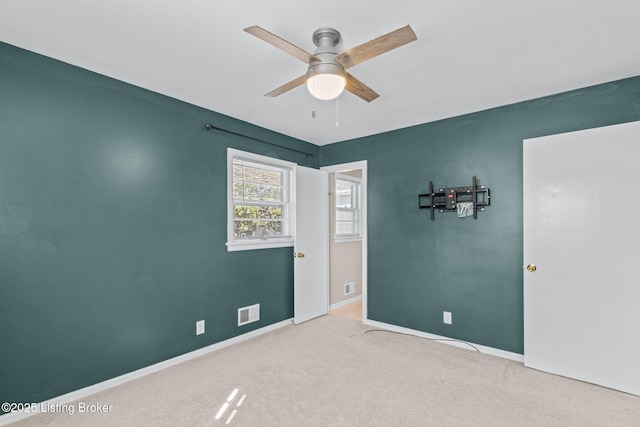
(113, 229)
(113, 213)
(419, 268)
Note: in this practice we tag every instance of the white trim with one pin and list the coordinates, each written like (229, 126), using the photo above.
(345, 302)
(483, 349)
(96, 388)
(250, 245)
(361, 165)
(347, 239)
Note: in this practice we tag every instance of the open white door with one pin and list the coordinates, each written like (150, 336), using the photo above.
(581, 234)
(311, 288)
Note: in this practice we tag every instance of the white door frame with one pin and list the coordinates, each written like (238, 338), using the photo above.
(359, 165)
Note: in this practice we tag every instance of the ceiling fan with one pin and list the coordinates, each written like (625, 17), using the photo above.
(326, 75)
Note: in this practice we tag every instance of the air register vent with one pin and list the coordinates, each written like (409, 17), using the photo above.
(248, 314)
(349, 288)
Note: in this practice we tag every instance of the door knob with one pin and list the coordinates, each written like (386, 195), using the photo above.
(531, 268)
(298, 255)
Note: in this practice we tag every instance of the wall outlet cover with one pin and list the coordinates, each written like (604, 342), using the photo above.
(200, 327)
(446, 317)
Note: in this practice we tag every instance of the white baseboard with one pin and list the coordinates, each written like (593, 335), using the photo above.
(345, 302)
(447, 340)
(87, 391)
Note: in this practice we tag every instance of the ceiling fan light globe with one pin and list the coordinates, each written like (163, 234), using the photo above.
(326, 86)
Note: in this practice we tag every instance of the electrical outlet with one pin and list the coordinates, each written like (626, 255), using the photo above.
(446, 317)
(200, 327)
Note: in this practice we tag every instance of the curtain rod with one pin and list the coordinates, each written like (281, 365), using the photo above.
(209, 126)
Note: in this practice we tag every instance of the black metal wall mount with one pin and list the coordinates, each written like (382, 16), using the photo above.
(447, 199)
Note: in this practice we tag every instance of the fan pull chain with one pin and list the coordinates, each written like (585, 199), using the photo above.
(337, 113)
(313, 108)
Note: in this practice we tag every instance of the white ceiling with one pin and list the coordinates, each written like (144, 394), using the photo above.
(470, 55)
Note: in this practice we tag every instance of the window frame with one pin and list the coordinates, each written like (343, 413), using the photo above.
(263, 242)
(357, 198)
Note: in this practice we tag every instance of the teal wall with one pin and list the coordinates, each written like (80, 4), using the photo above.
(419, 268)
(113, 229)
(113, 223)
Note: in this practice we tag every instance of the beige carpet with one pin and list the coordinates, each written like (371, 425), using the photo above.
(329, 372)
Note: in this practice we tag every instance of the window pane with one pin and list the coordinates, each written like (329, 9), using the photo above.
(343, 228)
(344, 187)
(237, 172)
(238, 190)
(255, 183)
(344, 215)
(257, 174)
(262, 192)
(344, 201)
(257, 212)
(256, 228)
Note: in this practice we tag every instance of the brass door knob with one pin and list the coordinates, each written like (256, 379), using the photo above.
(531, 268)
(298, 255)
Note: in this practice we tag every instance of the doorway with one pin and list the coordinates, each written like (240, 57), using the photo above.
(348, 249)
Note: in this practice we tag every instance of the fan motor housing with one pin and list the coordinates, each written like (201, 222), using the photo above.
(326, 39)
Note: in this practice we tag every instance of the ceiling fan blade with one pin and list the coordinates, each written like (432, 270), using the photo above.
(281, 44)
(360, 89)
(377, 46)
(288, 86)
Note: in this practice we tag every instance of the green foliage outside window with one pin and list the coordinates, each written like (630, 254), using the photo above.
(257, 221)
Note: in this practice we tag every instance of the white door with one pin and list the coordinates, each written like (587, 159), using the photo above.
(582, 234)
(311, 288)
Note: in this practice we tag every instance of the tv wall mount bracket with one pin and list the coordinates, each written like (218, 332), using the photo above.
(447, 199)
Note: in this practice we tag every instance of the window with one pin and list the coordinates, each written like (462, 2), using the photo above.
(347, 207)
(260, 209)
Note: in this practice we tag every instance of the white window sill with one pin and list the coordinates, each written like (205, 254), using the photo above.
(347, 239)
(257, 244)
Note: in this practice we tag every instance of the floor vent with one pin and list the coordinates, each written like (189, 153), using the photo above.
(248, 314)
(349, 288)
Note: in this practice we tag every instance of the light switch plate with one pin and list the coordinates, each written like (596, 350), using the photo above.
(200, 327)
(446, 317)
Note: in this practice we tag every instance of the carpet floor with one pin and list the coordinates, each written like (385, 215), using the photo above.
(331, 372)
